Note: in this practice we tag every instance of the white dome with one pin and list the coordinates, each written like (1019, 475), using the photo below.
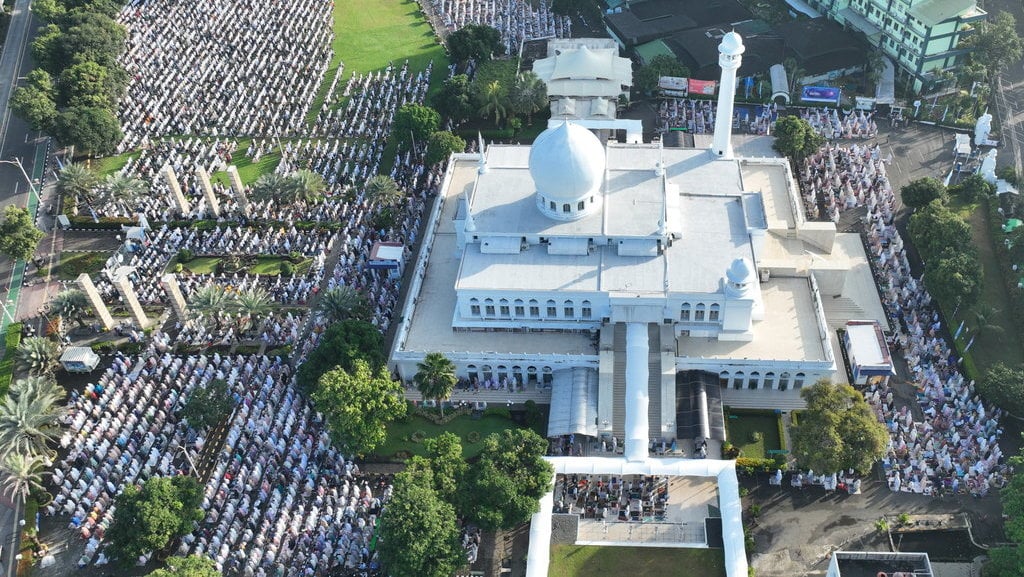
(741, 271)
(567, 163)
(732, 44)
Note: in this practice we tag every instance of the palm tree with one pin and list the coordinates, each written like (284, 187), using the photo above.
(436, 377)
(383, 190)
(494, 101)
(22, 474)
(795, 72)
(71, 304)
(122, 190)
(209, 302)
(77, 180)
(986, 319)
(38, 355)
(341, 303)
(251, 304)
(309, 186)
(530, 95)
(275, 187)
(28, 423)
(874, 66)
(45, 388)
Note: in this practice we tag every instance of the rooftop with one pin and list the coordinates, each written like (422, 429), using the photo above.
(872, 564)
(646, 21)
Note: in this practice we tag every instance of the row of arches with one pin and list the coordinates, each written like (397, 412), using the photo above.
(502, 373)
(700, 313)
(754, 380)
(531, 309)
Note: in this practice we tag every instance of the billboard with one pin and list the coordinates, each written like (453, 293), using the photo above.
(705, 87)
(673, 85)
(820, 94)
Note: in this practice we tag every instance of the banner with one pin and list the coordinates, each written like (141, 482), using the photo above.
(705, 87)
(673, 85)
(820, 94)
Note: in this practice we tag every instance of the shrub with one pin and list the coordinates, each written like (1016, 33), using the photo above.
(186, 255)
(730, 451)
(755, 511)
(882, 526)
(756, 436)
(287, 269)
(417, 436)
(473, 437)
(498, 412)
(903, 519)
(749, 466)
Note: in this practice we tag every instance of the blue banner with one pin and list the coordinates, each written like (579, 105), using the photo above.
(820, 94)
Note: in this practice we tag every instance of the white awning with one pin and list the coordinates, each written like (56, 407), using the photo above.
(573, 403)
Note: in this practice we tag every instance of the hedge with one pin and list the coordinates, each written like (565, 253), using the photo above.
(1009, 276)
(11, 342)
(748, 466)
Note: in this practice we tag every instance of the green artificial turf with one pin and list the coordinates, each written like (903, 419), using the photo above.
(399, 434)
(740, 425)
(587, 561)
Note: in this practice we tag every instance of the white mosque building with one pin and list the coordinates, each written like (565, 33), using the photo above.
(644, 285)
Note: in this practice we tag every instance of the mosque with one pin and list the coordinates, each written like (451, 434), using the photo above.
(669, 280)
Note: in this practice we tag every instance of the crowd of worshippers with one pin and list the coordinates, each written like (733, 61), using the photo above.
(371, 100)
(844, 482)
(515, 20)
(612, 498)
(834, 124)
(698, 116)
(837, 178)
(281, 500)
(222, 67)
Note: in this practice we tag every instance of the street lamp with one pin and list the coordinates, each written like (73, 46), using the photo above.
(16, 161)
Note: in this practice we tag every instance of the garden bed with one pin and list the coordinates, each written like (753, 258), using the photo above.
(584, 561)
(400, 442)
(73, 264)
(264, 265)
(741, 426)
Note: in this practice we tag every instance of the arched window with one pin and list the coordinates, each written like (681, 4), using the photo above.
(489, 307)
(552, 309)
(713, 313)
(502, 373)
(488, 375)
(769, 380)
(587, 311)
(581, 205)
(520, 309)
(567, 207)
(534, 309)
(798, 382)
(531, 375)
(503, 308)
(472, 374)
(684, 312)
(737, 380)
(723, 379)
(553, 205)
(569, 309)
(699, 313)
(548, 376)
(784, 381)
(517, 373)
(474, 307)
(754, 381)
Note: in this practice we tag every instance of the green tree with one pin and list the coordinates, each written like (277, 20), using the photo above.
(1016, 239)
(1009, 561)
(91, 36)
(120, 190)
(22, 474)
(46, 48)
(251, 305)
(35, 102)
(435, 378)
(30, 418)
(972, 188)
(19, 236)
(419, 534)
(208, 405)
(647, 76)
(38, 356)
(996, 42)
(474, 41)
(454, 101)
(273, 187)
(86, 84)
(340, 346)
(441, 145)
(191, 566)
(796, 138)
(309, 186)
(922, 192)
(358, 405)
(1004, 561)
(211, 303)
(383, 190)
(149, 518)
(444, 453)
(90, 129)
(71, 304)
(48, 10)
(528, 96)
(935, 228)
(342, 303)
(495, 101)
(414, 122)
(76, 180)
(838, 430)
(954, 278)
(1004, 386)
(502, 490)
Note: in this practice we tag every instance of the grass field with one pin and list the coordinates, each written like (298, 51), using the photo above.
(399, 434)
(585, 561)
(740, 425)
(112, 164)
(73, 264)
(367, 40)
(248, 170)
(265, 265)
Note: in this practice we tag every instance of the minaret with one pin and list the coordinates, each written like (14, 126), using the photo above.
(729, 58)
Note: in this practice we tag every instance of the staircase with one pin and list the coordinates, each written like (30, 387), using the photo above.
(654, 381)
(841, 309)
(619, 383)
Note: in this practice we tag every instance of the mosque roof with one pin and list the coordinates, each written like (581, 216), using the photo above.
(567, 162)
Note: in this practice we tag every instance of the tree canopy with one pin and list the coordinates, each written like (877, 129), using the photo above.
(1004, 386)
(502, 489)
(838, 430)
(414, 122)
(922, 192)
(208, 405)
(91, 129)
(419, 534)
(358, 404)
(441, 145)
(147, 518)
(796, 138)
(972, 187)
(340, 346)
(474, 41)
(1007, 561)
(435, 377)
(191, 566)
(444, 455)
(995, 42)
(936, 228)
(36, 100)
(528, 95)
(454, 100)
(954, 277)
(646, 78)
(19, 236)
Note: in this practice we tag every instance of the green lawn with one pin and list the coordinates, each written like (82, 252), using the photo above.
(368, 39)
(247, 169)
(265, 265)
(73, 264)
(400, 433)
(112, 164)
(586, 561)
(740, 425)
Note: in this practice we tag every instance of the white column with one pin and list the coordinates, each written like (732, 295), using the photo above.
(85, 283)
(204, 183)
(124, 286)
(169, 282)
(239, 188)
(729, 58)
(702, 406)
(172, 181)
(637, 373)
